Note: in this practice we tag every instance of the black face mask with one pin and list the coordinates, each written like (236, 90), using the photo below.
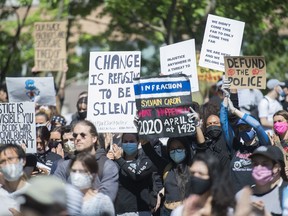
(54, 144)
(213, 132)
(82, 115)
(198, 186)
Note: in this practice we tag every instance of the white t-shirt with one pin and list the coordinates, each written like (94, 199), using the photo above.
(249, 97)
(8, 200)
(267, 108)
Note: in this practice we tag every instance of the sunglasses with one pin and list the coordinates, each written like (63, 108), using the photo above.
(75, 135)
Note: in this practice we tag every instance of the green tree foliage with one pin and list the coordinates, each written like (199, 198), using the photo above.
(144, 25)
(170, 21)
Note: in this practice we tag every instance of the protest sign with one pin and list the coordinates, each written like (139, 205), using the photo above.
(163, 103)
(223, 37)
(206, 74)
(17, 124)
(180, 58)
(40, 90)
(246, 71)
(111, 99)
(50, 46)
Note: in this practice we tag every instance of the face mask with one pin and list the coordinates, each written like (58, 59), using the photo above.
(12, 172)
(247, 136)
(198, 186)
(280, 127)
(130, 148)
(178, 155)
(54, 144)
(81, 180)
(262, 175)
(281, 92)
(83, 114)
(213, 132)
(69, 145)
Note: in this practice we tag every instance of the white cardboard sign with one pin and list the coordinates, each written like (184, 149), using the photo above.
(223, 37)
(111, 98)
(40, 90)
(180, 58)
(17, 124)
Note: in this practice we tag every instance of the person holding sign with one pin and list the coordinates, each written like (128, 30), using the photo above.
(135, 174)
(213, 143)
(175, 170)
(270, 104)
(246, 129)
(12, 161)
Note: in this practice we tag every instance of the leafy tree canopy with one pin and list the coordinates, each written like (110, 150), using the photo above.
(142, 25)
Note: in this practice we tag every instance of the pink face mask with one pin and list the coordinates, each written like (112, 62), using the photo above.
(280, 127)
(262, 175)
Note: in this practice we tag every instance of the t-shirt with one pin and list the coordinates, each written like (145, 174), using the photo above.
(98, 205)
(241, 167)
(8, 200)
(267, 107)
(271, 200)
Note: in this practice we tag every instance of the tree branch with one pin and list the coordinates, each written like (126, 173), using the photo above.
(14, 42)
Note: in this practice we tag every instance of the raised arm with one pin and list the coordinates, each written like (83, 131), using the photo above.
(261, 134)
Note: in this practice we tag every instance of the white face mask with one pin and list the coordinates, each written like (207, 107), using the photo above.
(81, 180)
(12, 172)
(70, 145)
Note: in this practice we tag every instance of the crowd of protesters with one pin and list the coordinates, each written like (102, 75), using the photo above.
(235, 164)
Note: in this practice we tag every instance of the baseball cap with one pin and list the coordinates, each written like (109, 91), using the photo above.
(272, 152)
(47, 190)
(273, 83)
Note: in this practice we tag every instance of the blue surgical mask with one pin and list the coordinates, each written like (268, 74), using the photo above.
(130, 148)
(247, 136)
(281, 92)
(178, 155)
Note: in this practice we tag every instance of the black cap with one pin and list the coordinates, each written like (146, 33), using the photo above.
(272, 152)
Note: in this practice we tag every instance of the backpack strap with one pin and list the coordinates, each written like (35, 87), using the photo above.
(166, 170)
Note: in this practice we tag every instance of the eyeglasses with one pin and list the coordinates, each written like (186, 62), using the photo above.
(10, 160)
(176, 150)
(83, 135)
